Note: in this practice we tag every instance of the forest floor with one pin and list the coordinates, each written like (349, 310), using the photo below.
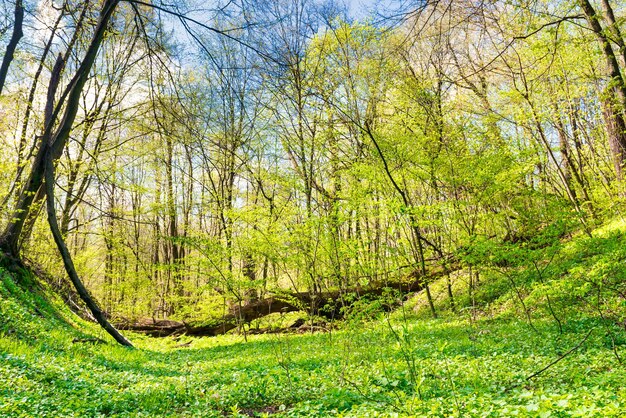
(402, 364)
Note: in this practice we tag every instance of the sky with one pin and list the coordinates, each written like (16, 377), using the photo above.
(362, 8)
(359, 8)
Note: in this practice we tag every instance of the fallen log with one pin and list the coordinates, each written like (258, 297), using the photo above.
(153, 327)
(330, 305)
(238, 315)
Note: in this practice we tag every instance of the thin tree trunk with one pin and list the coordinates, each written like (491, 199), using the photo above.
(569, 165)
(23, 157)
(412, 219)
(566, 184)
(15, 39)
(450, 294)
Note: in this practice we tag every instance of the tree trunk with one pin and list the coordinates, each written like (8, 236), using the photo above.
(613, 106)
(53, 86)
(614, 28)
(15, 39)
(22, 157)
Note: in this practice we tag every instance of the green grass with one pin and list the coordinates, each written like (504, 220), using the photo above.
(406, 365)
(481, 371)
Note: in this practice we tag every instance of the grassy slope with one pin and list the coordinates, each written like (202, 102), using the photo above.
(407, 366)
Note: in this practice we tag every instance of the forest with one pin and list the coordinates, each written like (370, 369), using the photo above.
(312, 208)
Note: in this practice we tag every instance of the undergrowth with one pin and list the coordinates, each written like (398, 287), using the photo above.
(504, 352)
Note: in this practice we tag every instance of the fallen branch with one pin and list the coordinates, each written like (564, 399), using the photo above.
(88, 340)
(562, 356)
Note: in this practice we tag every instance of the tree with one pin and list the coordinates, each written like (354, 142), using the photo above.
(50, 148)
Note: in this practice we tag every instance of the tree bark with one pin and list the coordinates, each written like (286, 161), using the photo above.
(53, 86)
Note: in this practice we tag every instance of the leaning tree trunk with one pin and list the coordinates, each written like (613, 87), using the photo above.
(15, 38)
(614, 29)
(29, 222)
(67, 258)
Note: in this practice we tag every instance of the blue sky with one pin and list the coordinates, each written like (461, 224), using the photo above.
(359, 8)
(362, 8)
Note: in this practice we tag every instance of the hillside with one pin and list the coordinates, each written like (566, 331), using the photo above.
(483, 361)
